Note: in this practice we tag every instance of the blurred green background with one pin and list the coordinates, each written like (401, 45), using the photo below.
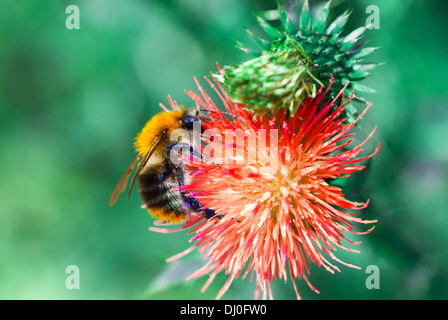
(71, 102)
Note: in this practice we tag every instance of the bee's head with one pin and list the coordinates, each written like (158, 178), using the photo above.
(189, 118)
(188, 122)
(162, 125)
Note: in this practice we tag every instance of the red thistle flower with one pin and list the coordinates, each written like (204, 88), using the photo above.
(275, 209)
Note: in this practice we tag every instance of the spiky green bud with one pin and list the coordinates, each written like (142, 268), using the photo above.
(295, 62)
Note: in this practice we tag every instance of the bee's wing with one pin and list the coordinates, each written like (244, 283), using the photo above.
(148, 155)
(121, 186)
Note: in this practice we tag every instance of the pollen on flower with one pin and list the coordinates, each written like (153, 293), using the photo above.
(278, 212)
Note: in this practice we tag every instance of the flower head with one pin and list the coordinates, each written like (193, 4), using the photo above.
(268, 180)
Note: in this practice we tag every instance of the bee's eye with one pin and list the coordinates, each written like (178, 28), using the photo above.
(188, 122)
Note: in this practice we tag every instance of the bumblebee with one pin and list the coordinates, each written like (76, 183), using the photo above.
(157, 173)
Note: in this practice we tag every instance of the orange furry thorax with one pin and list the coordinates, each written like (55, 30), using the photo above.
(152, 130)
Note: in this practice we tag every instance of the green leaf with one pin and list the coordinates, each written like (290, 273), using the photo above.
(364, 52)
(173, 275)
(338, 24)
(272, 32)
(358, 75)
(355, 34)
(305, 17)
(365, 67)
(363, 88)
(359, 99)
(344, 81)
(286, 21)
(321, 21)
(350, 108)
(245, 49)
(258, 40)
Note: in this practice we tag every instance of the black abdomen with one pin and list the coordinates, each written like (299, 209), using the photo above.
(156, 184)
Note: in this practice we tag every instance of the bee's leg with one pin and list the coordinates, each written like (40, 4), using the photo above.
(193, 203)
(196, 206)
(210, 213)
(181, 146)
(190, 202)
